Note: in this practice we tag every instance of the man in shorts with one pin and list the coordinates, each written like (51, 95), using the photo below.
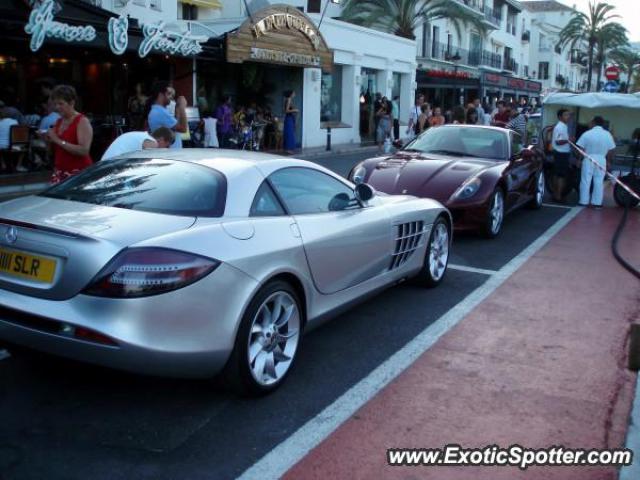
(561, 154)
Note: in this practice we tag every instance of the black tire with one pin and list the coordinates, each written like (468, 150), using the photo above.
(488, 230)
(237, 373)
(621, 196)
(426, 277)
(538, 197)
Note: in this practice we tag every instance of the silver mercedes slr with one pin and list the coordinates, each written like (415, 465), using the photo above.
(198, 262)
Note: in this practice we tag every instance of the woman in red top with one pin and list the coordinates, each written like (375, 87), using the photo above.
(70, 137)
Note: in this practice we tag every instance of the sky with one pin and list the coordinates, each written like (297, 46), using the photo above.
(627, 9)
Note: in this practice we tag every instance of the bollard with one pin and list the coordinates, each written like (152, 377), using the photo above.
(328, 139)
(634, 347)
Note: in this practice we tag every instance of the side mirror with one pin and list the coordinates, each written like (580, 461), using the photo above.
(339, 202)
(364, 192)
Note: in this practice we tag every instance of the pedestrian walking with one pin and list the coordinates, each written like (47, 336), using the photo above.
(414, 115)
(479, 112)
(561, 154)
(600, 146)
(518, 123)
(139, 140)
(437, 118)
(384, 124)
(395, 112)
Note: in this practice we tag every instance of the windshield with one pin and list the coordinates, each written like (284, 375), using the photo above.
(463, 141)
(150, 185)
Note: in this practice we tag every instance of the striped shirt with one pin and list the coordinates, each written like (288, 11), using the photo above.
(519, 124)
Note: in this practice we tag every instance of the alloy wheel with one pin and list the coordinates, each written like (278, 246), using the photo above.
(439, 251)
(273, 338)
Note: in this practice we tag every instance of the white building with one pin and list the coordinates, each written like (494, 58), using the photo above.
(557, 68)
(365, 62)
(456, 69)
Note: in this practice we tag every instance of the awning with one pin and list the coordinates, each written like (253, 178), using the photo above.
(204, 3)
(594, 100)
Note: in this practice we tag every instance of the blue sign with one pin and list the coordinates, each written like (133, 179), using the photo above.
(611, 87)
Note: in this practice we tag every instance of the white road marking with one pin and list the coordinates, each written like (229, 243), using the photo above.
(464, 268)
(285, 455)
(555, 205)
(4, 354)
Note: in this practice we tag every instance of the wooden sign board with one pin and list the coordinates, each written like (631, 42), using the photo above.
(281, 35)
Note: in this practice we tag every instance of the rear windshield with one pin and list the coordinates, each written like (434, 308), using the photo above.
(149, 185)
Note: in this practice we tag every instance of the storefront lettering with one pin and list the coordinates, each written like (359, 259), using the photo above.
(42, 25)
(156, 38)
(284, 57)
(511, 82)
(448, 74)
(280, 21)
(118, 35)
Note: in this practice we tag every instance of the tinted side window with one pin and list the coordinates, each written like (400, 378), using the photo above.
(304, 190)
(265, 203)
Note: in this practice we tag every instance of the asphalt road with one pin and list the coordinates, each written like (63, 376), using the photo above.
(64, 420)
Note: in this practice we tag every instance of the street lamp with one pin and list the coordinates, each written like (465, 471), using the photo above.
(337, 2)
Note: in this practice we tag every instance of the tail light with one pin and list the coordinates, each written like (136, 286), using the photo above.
(140, 272)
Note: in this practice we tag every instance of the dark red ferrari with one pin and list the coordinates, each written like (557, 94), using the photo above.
(479, 173)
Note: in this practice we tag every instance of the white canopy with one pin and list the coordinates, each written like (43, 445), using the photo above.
(594, 100)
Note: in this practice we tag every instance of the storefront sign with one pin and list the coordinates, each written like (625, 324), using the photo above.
(512, 83)
(266, 55)
(42, 25)
(448, 74)
(156, 38)
(280, 21)
(118, 34)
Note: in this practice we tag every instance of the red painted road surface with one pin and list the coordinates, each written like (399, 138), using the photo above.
(540, 362)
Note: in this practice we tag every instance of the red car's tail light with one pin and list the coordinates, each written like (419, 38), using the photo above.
(140, 272)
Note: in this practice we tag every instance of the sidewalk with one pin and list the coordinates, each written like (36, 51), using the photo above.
(540, 362)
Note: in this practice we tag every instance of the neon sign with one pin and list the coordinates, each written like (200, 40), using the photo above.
(41, 25)
(118, 36)
(156, 38)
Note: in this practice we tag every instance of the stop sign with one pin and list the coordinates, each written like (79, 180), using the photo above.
(612, 73)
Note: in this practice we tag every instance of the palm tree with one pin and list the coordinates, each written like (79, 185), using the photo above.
(628, 60)
(596, 30)
(402, 17)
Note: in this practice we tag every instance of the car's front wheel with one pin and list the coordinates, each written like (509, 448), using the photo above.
(437, 255)
(495, 215)
(267, 341)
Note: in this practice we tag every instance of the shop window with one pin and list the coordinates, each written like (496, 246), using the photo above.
(313, 6)
(397, 79)
(331, 96)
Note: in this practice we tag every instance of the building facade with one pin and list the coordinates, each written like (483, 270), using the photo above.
(555, 67)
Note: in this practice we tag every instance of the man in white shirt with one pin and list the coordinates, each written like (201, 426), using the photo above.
(561, 154)
(135, 141)
(600, 146)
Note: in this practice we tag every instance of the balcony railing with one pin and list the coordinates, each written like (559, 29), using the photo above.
(485, 58)
(492, 16)
(475, 4)
(475, 58)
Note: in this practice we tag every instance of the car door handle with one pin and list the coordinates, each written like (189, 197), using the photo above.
(295, 231)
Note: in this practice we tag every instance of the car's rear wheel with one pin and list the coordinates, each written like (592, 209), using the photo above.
(495, 215)
(267, 341)
(538, 196)
(437, 255)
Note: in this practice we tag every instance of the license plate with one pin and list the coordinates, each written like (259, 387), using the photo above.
(26, 266)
